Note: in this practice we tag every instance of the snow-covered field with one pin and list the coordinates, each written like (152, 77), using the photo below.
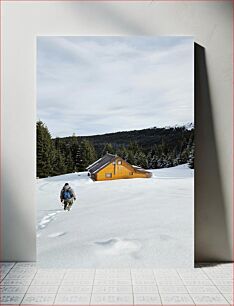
(122, 223)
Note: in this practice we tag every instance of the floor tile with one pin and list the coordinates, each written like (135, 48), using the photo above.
(176, 299)
(167, 276)
(228, 297)
(194, 273)
(165, 271)
(4, 270)
(225, 289)
(16, 282)
(11, 299)
(202, 289)
(78, 276)
(206, 285)
(77, 281)
(223, 282)
(49, 278)
(75, 289)
(112, 282)
(144, 278)
(196, 282)
(7, 264)
(80, 271)
(19, 276)
(23, 270)
(50, 272)
(172, 289)
(145, 289)
(72, 299)
(144, 282)
(209, 299)
(82, 274)
(112, 271)
(13, 289)
(3, 275)
(118, 275)
(108, 289)
(142, 271)
(191, 274)
(194, 277)
(26, 264)
(43, 289)
(174, 277)
(147, 299)
(169, 282)
(39, 299)
(45, 282)
(112, 299)
(109, 276)
(220, 276)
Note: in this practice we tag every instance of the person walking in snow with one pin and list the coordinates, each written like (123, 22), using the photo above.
(67, 196)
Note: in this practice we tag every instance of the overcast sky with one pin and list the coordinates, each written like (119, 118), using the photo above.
(95, 85)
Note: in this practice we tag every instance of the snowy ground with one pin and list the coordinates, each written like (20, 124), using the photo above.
(122, 223)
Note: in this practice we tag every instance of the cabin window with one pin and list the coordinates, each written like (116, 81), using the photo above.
(130, 173)
(119, 162)
(108, 175)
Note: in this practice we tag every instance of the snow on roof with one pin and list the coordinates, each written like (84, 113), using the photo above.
(137, 168)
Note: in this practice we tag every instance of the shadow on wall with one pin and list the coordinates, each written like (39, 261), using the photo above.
(103, 13)
(18, 240)
(211, 232)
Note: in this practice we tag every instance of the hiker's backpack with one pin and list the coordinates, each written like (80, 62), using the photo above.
(67, 194)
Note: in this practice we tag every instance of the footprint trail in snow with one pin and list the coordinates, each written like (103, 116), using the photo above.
(47, 219)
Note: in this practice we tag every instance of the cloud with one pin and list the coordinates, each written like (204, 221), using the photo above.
(94, 85)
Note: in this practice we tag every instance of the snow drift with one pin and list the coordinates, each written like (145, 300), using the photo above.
(117, 224)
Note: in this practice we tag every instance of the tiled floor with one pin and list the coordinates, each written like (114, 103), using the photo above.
(24, 283)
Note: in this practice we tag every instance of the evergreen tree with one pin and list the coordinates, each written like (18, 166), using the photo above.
(141, 159)
(87, 154)
(108, 148)
(191, 158)
(69, 163)
(134, 147)
(74, 148)
(123, 152)
(45, 151)
(59, 166)
(131, 157)
(78, 160)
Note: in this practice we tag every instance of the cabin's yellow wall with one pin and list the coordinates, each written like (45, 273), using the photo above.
(121, 172)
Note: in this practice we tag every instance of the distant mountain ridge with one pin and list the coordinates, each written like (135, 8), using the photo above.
(150, 148)
(146, 138)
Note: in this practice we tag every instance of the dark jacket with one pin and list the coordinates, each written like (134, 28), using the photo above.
(70, 190)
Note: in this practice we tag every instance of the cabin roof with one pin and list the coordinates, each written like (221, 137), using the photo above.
(106, 160)
(101, 163)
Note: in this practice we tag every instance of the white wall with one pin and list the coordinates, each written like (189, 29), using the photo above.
(210, 22)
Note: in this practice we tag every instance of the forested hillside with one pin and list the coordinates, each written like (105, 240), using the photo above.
(150, 148)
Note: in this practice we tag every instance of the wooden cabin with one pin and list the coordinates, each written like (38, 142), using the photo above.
(112, 167)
